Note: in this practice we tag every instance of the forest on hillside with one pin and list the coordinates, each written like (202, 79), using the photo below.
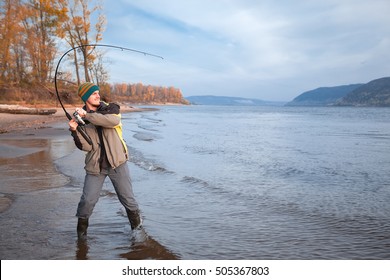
(34, 33)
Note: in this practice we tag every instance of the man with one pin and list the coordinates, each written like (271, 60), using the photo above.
(106, 156)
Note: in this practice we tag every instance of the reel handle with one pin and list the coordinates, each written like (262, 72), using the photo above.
(81, 130)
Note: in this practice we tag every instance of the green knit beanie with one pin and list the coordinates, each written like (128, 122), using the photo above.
(86, 90)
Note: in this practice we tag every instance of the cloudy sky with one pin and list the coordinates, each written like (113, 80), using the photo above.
(265, 49)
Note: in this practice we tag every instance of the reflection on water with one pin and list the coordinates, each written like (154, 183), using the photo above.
(142, 247)
(145, 247)
(82, 250)
(27, 165)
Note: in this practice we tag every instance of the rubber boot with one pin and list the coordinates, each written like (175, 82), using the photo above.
(134, 219)
(82, 226)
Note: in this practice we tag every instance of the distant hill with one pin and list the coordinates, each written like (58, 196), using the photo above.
(229, 101)
(323, 96)
(374, 93)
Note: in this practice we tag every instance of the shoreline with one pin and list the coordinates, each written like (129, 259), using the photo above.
(16, 122)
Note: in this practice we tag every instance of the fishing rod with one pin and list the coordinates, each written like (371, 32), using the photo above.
(79, 128)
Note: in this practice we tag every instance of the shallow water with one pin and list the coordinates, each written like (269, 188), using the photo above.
(264, 182)
(215, 183)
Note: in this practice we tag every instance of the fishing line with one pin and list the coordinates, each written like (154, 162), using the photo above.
(81, 130)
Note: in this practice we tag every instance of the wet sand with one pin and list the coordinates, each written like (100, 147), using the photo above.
(42, 175)
(18, 139)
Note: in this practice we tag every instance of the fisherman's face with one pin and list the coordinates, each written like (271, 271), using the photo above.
(94, 99)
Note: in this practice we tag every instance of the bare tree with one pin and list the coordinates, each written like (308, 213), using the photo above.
(78, 31)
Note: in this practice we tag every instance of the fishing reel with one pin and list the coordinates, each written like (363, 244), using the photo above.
(78, 118)
(81, 127)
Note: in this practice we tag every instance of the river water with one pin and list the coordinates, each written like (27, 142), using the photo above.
(266, 182)
(225, 183)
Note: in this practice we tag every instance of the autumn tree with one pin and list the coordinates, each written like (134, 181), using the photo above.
(27, 40)
(139, 93)
(10, 36)
(40, 21)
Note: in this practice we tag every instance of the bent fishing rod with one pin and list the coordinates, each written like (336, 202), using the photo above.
(79, 127)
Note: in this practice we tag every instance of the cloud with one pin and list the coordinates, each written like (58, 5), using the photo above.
(263, 49)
